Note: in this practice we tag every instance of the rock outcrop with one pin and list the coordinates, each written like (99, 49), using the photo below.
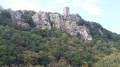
(16, 16)
(47, 20)
(41, 20)
(67, 22)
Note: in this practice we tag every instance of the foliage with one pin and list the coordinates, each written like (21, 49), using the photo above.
(83, 22)
(51, 23)
(109, 61)
(6, 14)
(27, 46)
(5, 17)
(28, 19)
(42, 47)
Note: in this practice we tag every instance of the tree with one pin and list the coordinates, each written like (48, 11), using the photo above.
(5, 17)
(6, 14)
(28, 19)
(109, 61)
(81, 22)
(6, 57)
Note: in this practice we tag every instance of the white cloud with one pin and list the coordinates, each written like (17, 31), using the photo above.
(29, 5)
(93, 1)
(89, 5)
(91, 8)
(64, 2)
(48, 10)
(24, 5)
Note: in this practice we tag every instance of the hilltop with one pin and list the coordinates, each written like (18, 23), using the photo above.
(71, 23)
(35, 39)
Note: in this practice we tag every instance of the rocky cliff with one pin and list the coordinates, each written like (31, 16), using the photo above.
(47, 20)
(69, 23)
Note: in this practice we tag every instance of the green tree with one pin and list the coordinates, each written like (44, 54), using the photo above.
(109, 61)
(5, 17)
(28, 19)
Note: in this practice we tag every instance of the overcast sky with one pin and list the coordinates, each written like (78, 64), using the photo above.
(105, 12)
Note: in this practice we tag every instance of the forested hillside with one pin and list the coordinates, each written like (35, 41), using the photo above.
(26, 46)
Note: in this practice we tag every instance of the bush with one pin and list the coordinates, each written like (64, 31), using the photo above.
(28, 19)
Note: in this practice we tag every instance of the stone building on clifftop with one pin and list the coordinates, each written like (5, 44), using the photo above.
(66, 11)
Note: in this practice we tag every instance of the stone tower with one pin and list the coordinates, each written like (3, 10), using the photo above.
(0, 7)
(66, 11)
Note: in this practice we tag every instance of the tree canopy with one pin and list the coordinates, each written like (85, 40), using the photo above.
(29, 46)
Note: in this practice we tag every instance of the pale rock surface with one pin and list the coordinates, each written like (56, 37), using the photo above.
(100, 31)
(16, 16)
(41, 20)
(22, 23)
(68, 23)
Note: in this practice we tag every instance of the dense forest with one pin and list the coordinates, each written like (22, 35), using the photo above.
(34, 47)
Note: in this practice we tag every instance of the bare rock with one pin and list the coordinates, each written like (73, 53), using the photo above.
(23, 24)
(41, 20)
(16, 15)
(66, 22)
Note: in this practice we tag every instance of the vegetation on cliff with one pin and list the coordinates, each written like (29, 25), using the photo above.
(29, 46)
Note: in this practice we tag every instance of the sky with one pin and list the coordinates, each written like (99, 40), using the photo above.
(104, 12)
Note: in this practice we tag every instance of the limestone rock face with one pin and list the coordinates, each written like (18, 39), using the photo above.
(22, 23)
(41, 20)
(69, 23)
(57, 20)
(47, 20)
(84, 31)
(16, 16)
